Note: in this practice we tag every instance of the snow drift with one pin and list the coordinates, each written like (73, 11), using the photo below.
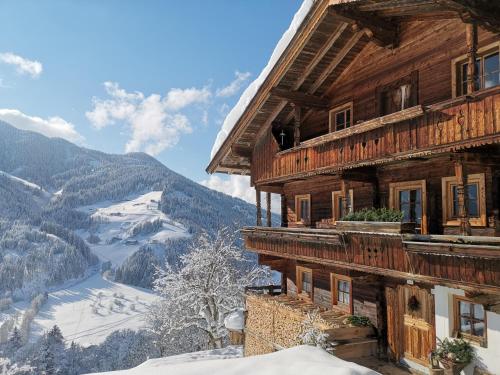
(301, 360)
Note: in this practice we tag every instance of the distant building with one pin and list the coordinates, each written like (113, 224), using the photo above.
(391, 104)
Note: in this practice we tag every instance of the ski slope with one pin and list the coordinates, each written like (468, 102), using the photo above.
(90, 310)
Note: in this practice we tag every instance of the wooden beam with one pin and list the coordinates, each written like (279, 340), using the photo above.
(241, 151)
(463, 216)
(472, 40)
(284, 211)
(300, 99)
(320, 54)
(259, 209)
(296, 125)
(381, 31)
(336, 61)
(268, 209)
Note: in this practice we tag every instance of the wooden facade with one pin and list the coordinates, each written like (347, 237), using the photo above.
(379, 104)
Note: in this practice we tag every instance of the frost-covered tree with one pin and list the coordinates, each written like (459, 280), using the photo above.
(15, 341)
(311, 334)
(208, 284)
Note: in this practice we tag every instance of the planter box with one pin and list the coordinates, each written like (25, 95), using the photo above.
(375, 226)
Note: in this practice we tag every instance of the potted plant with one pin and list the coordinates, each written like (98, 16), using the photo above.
(454, 355)
(382, 220)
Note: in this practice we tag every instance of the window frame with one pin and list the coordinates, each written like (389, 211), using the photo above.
(447, 184)
(334, 278)
(396, 187)
(336, 214)
(299, 270)
(332, 114)
(298, 210)
(458, 62)
(480, 340)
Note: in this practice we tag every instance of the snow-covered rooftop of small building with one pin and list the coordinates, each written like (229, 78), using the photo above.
(300, 360)
(235, 321)
(250, 92)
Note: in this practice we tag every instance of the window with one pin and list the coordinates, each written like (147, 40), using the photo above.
(410, 198)
(470, 320)
(487, 68)
(398, 95)
(475, 200)
(339, 209)
(304, 281)
(303, 208)
(341, 292)
(341, 117)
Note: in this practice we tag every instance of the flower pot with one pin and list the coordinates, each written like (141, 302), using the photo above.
(453, 368)
(375, 226)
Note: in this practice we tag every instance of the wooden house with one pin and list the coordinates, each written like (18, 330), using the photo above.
(381, 103)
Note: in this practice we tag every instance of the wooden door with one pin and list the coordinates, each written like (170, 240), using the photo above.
(410, 330)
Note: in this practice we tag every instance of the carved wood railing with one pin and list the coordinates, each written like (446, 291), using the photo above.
(447, 260)
(447, 126)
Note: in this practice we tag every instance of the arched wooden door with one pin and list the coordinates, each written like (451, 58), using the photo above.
(411, 331)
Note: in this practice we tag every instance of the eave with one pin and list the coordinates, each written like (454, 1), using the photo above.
(331, 36)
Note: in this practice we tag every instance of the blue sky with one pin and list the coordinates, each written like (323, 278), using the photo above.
(169, 66)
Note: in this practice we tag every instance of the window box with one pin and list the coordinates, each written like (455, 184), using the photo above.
(375, 226)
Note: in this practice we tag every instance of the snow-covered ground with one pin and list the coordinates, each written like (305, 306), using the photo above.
(90, 310)
(301, 360)
(117, 221)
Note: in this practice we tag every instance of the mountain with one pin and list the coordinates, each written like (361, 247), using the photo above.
(52, 182)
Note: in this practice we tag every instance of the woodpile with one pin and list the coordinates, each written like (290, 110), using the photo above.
(275, 322)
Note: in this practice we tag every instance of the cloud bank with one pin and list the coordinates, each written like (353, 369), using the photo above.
(51, 127)
(235, 86)
(156, 123)
(32, 68)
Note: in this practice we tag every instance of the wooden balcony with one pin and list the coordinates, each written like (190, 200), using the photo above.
(468, 262)
(453, 125)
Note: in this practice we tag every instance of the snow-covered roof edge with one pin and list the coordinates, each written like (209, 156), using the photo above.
(235, 114)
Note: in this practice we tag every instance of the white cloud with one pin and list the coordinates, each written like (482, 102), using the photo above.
(155, 121)
(50, 127)
(239, 187)
(235, 85)
(23, 66)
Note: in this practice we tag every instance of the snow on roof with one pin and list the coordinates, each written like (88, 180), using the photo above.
(235, 321)
(300, 360)
(250, 92)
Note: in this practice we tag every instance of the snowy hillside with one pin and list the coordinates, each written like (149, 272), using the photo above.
(301, 360)
(90, 310)
(122, 228)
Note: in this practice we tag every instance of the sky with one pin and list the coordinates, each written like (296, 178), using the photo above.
(156, 76)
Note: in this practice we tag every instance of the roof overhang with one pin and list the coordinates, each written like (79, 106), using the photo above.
(331, 35)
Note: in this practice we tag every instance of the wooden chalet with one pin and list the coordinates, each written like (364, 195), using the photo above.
(383, 103)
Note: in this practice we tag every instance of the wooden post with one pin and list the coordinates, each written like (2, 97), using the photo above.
(268, 209)
(472, 73)
(345, 193)
(284, 211)
(259, 209)
(297, 114)
(463, 215)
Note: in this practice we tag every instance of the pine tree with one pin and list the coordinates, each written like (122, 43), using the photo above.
(46, 365)
(55, 335)
(15, 341)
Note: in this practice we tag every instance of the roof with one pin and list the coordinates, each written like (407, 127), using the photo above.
(323, 39)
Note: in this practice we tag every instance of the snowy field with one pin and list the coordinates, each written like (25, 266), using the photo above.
(301, 360)
(117, 241)
(90, 310)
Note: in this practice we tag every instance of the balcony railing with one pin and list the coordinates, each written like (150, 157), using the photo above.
(419, 131)
(450, 260)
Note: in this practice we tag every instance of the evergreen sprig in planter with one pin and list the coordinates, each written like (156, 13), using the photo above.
(378, 220)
